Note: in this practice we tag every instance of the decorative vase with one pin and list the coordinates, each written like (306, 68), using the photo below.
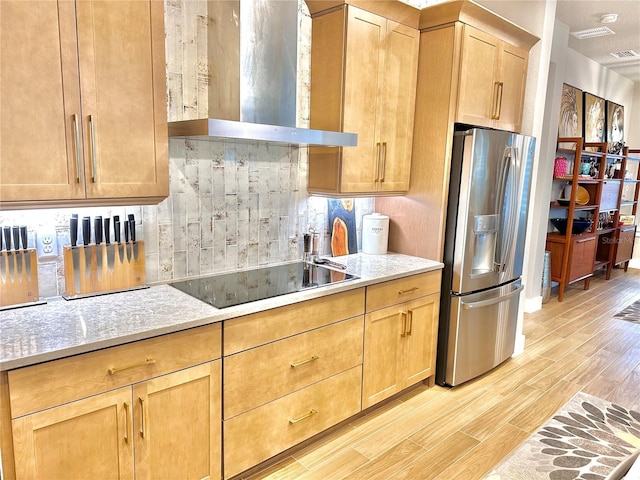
(560, 167)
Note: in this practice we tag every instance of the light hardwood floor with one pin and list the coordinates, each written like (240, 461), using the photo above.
(461, 433)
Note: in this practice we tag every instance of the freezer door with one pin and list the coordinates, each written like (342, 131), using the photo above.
(482, 332)
(491, 196)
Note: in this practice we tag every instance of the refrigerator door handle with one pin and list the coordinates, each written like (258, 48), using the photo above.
(505, 165)
(492, 301)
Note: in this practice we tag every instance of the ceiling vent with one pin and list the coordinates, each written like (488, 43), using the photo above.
(624, 54)
(593, 32)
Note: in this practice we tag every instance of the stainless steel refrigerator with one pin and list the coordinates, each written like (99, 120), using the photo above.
(484, 244)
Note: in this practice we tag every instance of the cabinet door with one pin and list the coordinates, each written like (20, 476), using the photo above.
(383, 349)
(39, 96)
(583, 256)
(364, 62)
(624, 244)
(89, 438)
(122, 71)
(177, 424)
(421, 339)
(513, 79)
(398, 106)
(477, 86)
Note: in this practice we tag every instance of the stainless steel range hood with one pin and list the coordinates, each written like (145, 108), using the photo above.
(252, 55)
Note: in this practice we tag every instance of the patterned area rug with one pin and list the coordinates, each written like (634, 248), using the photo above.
(631, 313)
(587, 439)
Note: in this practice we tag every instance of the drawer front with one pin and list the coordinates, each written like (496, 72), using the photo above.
(257, 376)
(53, 383)
(263, 432)
(271, 325)
(402, 290)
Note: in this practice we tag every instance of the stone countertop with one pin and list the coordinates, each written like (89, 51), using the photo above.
(61, 328)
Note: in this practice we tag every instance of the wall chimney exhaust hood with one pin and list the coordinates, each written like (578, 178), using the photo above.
(253, 55)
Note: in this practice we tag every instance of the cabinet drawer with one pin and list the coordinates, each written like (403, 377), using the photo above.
(402, 290)
(53, 383)
(263, 432)
(257, 376)
(271, 325)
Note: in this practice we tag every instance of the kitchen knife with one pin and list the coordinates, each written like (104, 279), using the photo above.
(132, 230)
(16, 248)
(97, 233)
(3, 264)
(125, 225)
(116, 237)
(7, 244)
(86, 238)
(25, 245)
(107, 240)
(75, 254)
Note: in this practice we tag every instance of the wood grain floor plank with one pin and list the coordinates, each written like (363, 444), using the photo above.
(486, 455)
(522, 375)
(438, 459)
(551, 375)
(386, 464)
(535, 414)
(337, 467)
(486, 424)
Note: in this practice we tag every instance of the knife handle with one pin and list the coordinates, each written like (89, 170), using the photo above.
(73, 229)
(7, 238)
(132, 228)
(107, 228)
(23, 237)
(126, 231)
(116, 230)
(97, 229)
(86, 230)
(16, 237)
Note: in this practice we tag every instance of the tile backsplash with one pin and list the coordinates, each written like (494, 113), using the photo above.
(231, 205)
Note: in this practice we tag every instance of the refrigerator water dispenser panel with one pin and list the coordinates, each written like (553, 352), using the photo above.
(485, 229)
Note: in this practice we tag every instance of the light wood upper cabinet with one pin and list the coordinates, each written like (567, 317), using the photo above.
(83, 103)
(492, 81)
(363, 80)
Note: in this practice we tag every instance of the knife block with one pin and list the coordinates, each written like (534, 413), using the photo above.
(17, 284)
(96, 269)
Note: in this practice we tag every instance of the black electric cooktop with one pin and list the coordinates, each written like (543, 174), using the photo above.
(236, 288)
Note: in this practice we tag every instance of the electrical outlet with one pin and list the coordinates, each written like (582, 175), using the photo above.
(46, 245)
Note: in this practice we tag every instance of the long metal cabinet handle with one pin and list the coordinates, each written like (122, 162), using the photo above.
(143, 414)
(492, 301)
(494, 104)
(114, 370)
(76, 133)
(584, 240)
(126, 422)
(410, 321)
(378, 150)
(92, 131)
(499, 102)
(383, 167)
(303, 417)
(410, 290)
(302, 362)
(403, 332)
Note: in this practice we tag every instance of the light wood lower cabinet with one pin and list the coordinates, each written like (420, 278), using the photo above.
(400, 347)
(266, 431)
(89, 438)
(400, 340)
(129, 417)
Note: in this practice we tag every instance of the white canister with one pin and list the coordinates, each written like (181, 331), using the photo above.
(375, 233)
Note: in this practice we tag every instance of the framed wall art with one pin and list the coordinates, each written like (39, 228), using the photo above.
(615, 127)
(594, 118)
(570, 124)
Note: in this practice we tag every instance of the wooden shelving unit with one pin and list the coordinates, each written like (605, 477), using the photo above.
(606, 243)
